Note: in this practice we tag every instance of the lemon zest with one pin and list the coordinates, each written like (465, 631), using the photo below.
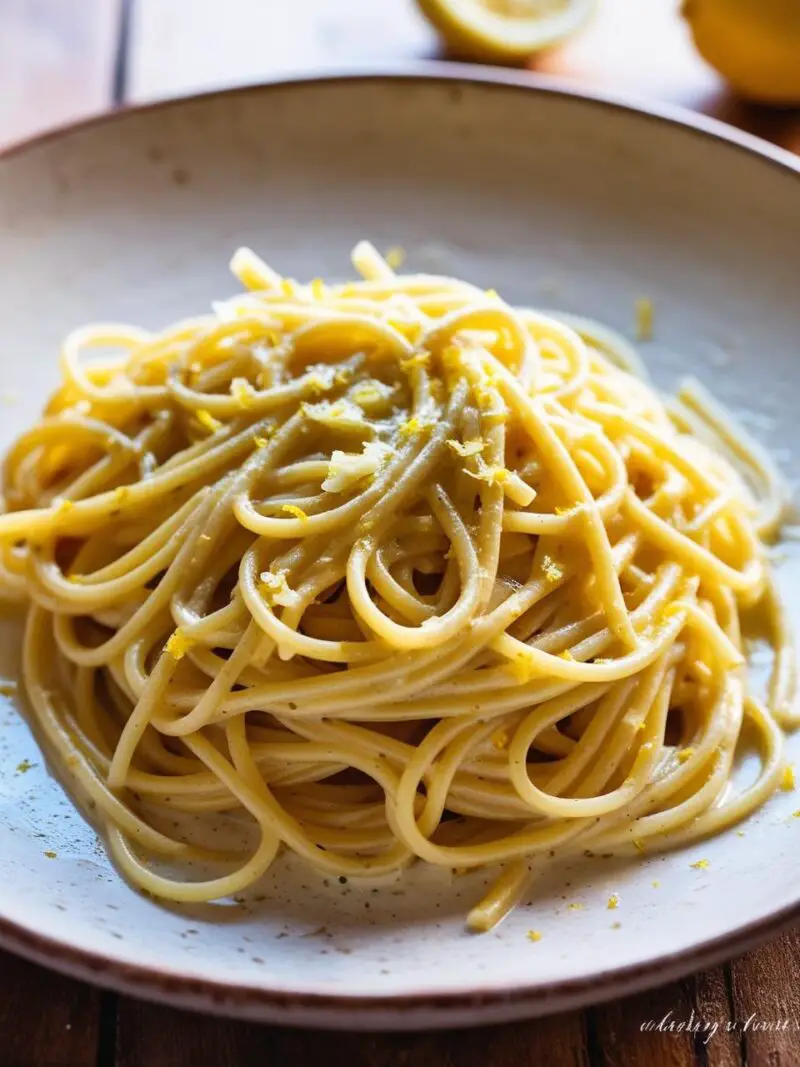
(644, 318)
(207, 420)
(468, 448)
(179, 644)
(293, 509)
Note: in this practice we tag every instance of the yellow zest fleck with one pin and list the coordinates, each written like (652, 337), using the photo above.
(575, 907)
(701, 865)
(563, 511)
(513, 486)
(500, 739)
(242, 392)
(411, 428)
(740, 833)
(492, 294)
(613, 902)
(293, 509)
(638, 844)
(418, 360)
(552, 571)
(567, 655)
(62, 505)
(616, 926)
(275, 589)
(656, 885)
(260, 442)
(318, 289)
(522, 668)
(51, 855)
(795, 815)
(644, 319)
(25, 766)
(685, 754)
(534, 935)
(395, 257)
(179, 644)
(468, 448)
(787, 779)
(206, 419)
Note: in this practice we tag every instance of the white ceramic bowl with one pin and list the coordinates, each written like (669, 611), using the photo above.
(554, 198)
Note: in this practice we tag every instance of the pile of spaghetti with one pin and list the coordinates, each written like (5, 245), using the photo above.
(387, 571)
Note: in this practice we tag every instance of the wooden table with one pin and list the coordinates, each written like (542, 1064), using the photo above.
(65, 59)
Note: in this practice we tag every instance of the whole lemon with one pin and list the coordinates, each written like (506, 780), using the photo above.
(754, 44)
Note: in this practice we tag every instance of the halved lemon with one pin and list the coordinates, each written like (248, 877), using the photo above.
(505, 31)
(755, 44)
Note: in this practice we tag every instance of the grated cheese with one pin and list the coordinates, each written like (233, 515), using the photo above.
(242, 392)
(347, 469)
(275, 589)
(553, 571)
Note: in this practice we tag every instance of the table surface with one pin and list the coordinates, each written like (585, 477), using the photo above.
(62, 60)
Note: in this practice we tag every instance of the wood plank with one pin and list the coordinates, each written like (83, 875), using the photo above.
(153, 1036)
(56, 59)
(765, 988)
(46, 1020)
(685, 1024)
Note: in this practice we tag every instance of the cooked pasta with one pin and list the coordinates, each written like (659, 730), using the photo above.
(390, 571)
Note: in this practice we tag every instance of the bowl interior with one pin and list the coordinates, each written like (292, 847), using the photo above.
(556, 201)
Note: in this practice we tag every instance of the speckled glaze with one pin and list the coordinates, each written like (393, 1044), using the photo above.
(555, 199)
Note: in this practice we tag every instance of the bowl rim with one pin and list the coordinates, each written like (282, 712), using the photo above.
(433, 1007)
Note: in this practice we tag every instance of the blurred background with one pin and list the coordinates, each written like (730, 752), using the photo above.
(62, 60)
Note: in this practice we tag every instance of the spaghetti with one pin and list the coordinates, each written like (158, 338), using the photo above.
(390, 570)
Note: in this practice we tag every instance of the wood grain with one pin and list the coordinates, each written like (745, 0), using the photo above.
(56, 62)
(152, 1036)
(45, 1020)
(765, 990)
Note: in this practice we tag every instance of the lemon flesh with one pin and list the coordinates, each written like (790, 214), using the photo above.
(505, 31)
(754, 44)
